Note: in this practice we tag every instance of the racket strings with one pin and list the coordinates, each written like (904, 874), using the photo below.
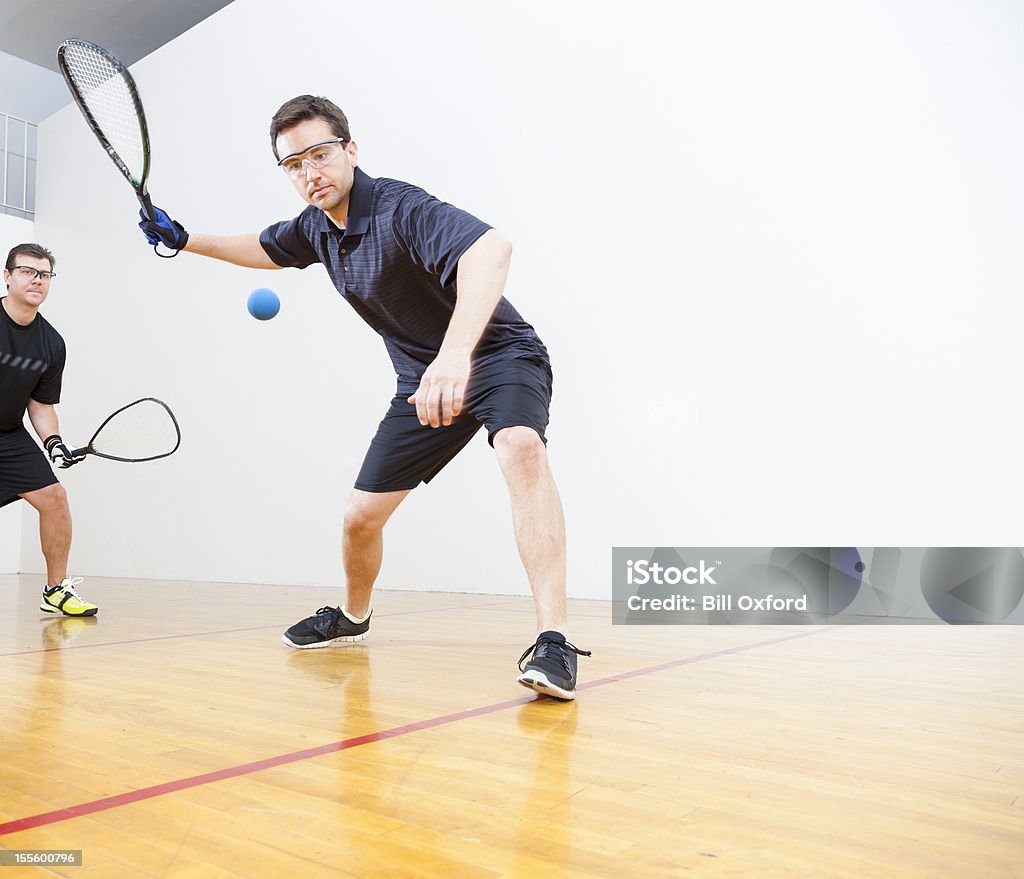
(105, 92)
(143, 430)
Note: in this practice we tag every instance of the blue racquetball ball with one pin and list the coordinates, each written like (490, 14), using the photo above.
(263, 304)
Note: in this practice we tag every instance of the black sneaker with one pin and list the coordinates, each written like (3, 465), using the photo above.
(328, 627)
(552, 671)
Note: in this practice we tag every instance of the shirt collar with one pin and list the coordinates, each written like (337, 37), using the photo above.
(360, 201)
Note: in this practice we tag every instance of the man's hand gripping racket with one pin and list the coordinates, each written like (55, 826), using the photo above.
(109, 100)
(60, 455)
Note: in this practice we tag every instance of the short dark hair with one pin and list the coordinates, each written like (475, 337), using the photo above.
(304, 108)
(36, 250)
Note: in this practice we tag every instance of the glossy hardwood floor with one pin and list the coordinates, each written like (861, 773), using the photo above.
(176, 736)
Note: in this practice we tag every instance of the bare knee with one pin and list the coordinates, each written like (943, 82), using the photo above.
(50, 501)
(520, 450)
(364, 515)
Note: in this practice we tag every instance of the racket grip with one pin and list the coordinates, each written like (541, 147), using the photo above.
(78, 453)
(147, 206)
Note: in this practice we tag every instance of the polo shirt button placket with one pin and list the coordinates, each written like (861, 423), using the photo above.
(349, 283)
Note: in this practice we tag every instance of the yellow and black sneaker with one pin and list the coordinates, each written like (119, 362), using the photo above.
(64, 599)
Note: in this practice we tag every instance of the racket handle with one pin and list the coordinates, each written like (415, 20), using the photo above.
(78, 453)
(147, 206)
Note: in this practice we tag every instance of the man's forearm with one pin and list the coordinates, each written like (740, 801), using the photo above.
(242, 250)
(44, 419)
(480, 281)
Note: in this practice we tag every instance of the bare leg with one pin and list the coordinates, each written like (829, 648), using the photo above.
(538, 521)
(54, 529)
(362, 546)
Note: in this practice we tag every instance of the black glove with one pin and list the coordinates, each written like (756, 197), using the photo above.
(163, 230)
(60, 455)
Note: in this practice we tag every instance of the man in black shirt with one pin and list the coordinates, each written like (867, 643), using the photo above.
(428, 278)
(31, 366)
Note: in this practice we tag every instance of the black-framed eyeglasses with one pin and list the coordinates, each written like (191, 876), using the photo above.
(27, 272)
(316, 156)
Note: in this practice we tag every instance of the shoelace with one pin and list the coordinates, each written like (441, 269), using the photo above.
(325, 619)
(71, 584)
(541, 650)
(336, 612)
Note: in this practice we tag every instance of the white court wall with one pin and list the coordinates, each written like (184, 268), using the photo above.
(13, 230)
(773, 249)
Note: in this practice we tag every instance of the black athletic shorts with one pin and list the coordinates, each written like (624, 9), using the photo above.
(404, 453)
(23, 465)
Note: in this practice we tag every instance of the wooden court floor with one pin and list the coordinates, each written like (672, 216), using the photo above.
(176, 736)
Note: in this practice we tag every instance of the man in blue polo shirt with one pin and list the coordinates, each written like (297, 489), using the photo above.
(428, 278)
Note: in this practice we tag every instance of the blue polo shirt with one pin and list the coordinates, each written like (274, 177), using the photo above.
(395, 263)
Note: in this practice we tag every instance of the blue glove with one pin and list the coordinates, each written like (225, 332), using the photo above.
(163, 230)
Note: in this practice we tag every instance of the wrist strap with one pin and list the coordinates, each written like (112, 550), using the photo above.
(51, 441)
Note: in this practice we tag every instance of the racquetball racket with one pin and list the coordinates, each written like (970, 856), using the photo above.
(109, 100)
(141, 431)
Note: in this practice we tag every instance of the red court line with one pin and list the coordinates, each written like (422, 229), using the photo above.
(158, 790)
(397, 613)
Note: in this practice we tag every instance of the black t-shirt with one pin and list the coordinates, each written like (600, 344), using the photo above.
(31, 365)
